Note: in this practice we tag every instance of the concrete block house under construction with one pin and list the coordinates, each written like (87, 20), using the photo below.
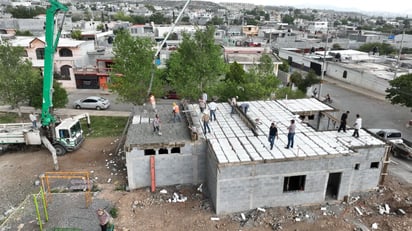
(238, 168)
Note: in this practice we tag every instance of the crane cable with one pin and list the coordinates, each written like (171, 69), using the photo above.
(149, 90)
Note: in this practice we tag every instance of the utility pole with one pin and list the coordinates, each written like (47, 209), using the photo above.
(399, 54)
(322, 75)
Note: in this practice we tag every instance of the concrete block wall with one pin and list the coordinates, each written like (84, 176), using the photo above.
(187, 167)
(242, 187)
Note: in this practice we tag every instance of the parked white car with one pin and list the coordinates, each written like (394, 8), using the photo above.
(92, 102)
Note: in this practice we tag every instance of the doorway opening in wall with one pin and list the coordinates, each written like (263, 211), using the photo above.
(332, 189)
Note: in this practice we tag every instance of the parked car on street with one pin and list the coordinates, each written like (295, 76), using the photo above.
(171, 95)
(92, 102)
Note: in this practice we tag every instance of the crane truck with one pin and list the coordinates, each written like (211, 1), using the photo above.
(59, 136)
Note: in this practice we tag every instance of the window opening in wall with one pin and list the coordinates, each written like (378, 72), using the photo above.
(357, 165)
(40, 53)
(375, 165)
(65, 52)
(175, 150)
(345, 74)
(149, 152)
(163, 151)
(294, 183)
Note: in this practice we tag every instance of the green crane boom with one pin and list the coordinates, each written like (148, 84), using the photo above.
(52, 41)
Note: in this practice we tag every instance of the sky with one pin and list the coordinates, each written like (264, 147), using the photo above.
(400, 7)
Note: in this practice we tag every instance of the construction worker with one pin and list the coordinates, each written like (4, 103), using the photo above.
(205, 120)
(176, 113)
(104, 219)
(152, 101)
(156, 125)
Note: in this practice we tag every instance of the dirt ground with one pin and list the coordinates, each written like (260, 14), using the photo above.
(144, 210)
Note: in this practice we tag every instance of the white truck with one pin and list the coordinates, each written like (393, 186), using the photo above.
(400, 147)
(58, 136)
(68, 134)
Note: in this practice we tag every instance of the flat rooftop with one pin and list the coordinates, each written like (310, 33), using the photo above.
(233, 142)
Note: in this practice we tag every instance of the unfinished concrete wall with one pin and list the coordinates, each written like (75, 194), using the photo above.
(242, 187)
(186, 167)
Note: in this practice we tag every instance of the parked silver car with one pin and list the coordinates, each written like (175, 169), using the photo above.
(92, 102)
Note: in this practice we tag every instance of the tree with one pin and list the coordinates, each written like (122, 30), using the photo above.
(120, 15)
(383, 48)
(25, 12)
(284, 66)
(133, 67)
(196, 65)
(138, 19)
(336, 46)
(256, 84)
(23, 33)
(76, 34)
(400, 91)
(235, 73)
(288, 19)
(216, 21)
(17, 76)
(302, 83)
(60, 98)
(159, 18)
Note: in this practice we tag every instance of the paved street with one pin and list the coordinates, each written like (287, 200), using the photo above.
(376, 112)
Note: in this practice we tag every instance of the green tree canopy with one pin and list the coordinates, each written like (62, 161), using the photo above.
(25, 12)
(288, 19)
(400, 91)
(383, 48)
(256, 84)
(133, 68)
(60, 98)
(196, 65)
(216, 21)
(302, 83)
(76, 34)
(120, 15)
(17, 76)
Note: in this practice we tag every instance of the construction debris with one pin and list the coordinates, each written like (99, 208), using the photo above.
(177, 198)
(358, 211)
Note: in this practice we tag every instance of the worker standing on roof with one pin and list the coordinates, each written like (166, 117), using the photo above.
(205, 120)
(202, 105)
(273, 133)
(204, 97)
(291, 134)
(233, 103)
(343, 120)
(156, 125)
(357, 126)
(212, 108)
(176, 113)
(152, 101)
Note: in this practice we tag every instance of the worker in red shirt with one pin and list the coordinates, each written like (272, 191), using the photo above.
(176, 113)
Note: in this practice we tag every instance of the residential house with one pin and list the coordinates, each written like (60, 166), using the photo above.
(249, 57)
(69, 54)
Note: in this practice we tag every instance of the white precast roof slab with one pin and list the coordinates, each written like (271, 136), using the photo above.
(234, 142)
(304, 105)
